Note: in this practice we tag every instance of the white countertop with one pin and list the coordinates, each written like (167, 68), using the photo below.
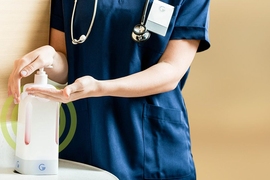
(68, 170)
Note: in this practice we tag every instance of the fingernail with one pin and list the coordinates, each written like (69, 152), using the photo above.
(15, 101)
(23, 73)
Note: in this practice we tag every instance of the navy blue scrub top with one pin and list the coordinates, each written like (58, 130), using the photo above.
(133, 138)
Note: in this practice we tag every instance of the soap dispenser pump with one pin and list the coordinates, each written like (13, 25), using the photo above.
(37, 131)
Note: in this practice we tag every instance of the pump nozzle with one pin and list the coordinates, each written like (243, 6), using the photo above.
(41, 71)
(41, 77)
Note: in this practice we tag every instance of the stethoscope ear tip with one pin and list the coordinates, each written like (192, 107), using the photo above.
(81, 40)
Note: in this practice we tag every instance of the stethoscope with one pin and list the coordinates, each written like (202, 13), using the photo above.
(139, 33)
(82, 37)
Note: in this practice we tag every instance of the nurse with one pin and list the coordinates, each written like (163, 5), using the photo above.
(132, 119)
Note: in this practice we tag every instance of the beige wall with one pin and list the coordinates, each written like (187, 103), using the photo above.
(24, 26)
(228, 94)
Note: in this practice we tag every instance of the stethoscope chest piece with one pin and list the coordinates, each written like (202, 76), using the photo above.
(140, 33)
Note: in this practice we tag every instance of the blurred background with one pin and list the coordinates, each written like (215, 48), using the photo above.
(24, 26)
(228, 94)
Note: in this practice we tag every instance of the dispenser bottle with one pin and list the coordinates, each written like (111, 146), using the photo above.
(37, 131)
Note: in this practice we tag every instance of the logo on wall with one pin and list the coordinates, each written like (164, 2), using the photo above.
(67, 123)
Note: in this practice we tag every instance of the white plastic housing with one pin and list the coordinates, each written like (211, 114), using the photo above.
(37, 134)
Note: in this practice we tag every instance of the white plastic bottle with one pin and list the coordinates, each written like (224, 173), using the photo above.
(37, 131)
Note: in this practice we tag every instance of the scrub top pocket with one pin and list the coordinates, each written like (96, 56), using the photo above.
(167, 154)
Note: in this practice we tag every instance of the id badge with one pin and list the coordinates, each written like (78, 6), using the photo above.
(159, 17)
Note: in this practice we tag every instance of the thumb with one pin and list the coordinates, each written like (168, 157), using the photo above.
(68, 90)
(73, 88)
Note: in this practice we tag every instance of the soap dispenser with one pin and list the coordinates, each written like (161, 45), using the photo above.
(37, 131)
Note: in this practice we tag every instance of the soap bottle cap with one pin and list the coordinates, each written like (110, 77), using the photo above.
(41, 77)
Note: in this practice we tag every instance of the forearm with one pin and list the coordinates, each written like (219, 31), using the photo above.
(157, 79)
(59, 71)
(162, 77)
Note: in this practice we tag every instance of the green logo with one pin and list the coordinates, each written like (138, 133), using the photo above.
(9, 115)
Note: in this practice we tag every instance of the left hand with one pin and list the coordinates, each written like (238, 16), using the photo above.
(83, 87)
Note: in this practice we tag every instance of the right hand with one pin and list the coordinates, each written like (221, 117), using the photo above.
(29, 63)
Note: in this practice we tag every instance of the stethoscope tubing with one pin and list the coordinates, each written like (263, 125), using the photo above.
(82, 37)
(138, 37)
(144, 12)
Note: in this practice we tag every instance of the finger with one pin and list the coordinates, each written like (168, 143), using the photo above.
(33, 61)
(67, 92)
(33, 66)
(23, 66)
(72, 88)
(17, 92)
(48, 93)
(16, 75)
(48, 97)
(14, 84)
(73, 97)
(45, 91)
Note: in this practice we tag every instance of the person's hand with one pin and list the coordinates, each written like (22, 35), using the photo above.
(41, 57)
(83, 87)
